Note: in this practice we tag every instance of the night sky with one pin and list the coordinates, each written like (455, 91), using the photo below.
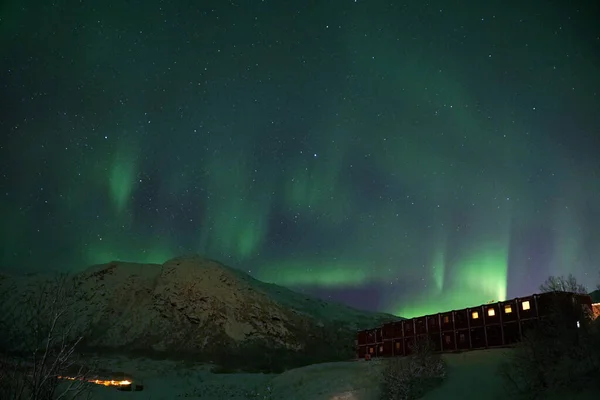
(407, 157)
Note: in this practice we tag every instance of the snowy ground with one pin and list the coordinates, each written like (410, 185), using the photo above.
(164, 380)
(350, 380)
(471, 375)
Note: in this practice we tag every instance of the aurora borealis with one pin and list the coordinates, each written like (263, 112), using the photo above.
(407, 158)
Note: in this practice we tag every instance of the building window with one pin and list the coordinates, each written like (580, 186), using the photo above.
(475, 315)
(448, 339)
(462, 337)
(446, 319)
(381, 349)
(525, 305)
(398, 345)
(491, 312)
(507, 309)
(370, 350)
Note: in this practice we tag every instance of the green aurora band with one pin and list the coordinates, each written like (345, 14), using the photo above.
(122, 175)
(242, 194)
(320, 274)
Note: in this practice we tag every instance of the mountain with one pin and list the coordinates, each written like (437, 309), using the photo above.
(200, 309)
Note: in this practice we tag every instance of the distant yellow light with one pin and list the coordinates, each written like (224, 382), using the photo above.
(491, 312)
(99, 381)
(526, 305)
(507, 309)
(475, 315)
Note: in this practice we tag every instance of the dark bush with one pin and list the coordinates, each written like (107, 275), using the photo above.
(407, 378)
(560, 354)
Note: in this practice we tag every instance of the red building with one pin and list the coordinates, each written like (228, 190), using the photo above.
(485, 326)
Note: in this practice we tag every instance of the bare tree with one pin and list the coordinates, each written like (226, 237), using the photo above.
(39, 360)
(563, 284)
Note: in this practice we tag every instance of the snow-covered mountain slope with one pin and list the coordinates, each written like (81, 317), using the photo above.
(192, 307)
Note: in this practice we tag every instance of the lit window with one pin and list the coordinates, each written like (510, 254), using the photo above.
(475, 315)
(491, 312)
(446, 319)
(398, 345)
(507, 309)
(525, 305)
(381, 349)
(370, 350)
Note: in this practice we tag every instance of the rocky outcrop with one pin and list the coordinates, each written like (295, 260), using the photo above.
(200, 308)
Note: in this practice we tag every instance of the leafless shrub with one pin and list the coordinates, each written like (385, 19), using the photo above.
(563, 284)
(561, 353)
(38, 352)
(407, 378)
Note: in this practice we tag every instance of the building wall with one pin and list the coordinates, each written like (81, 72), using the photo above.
(488, 325)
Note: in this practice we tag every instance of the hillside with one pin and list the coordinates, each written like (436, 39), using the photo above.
(195, 308)
(595, 296)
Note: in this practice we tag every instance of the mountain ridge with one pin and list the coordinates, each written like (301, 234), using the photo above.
(198, 308)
